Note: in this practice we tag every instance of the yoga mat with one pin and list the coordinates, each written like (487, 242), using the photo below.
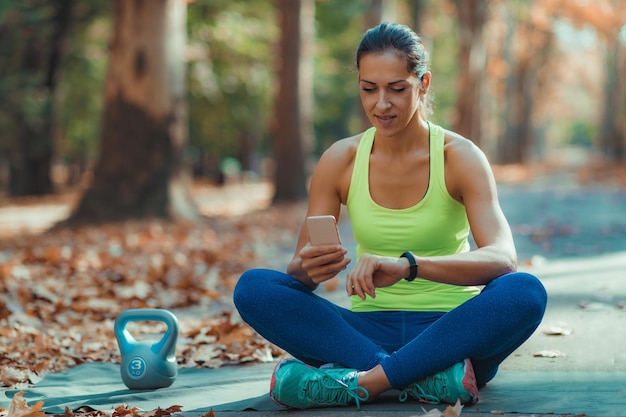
(245, 387)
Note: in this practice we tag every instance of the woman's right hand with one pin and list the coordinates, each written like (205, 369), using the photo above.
(323, 262)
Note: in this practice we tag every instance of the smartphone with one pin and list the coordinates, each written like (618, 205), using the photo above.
(323, 230)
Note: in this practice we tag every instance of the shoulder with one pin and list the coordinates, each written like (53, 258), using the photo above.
(461, 151)
(334, 169)
(467, 168)
(340, 153)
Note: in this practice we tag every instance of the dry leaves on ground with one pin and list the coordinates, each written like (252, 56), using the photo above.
(20, 408)
(450, 411)
(549, 354)
(559, 330)
(61, 291)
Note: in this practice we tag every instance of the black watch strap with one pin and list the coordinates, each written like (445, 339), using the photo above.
(412, 265)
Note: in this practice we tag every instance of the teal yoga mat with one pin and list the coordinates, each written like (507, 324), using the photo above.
(238, 388)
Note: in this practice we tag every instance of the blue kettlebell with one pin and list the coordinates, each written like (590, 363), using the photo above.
(147, 364)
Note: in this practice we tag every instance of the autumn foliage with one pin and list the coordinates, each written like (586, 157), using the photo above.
(60, 291)
(20, 408)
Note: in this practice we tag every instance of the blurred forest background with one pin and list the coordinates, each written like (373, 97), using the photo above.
(131, 100)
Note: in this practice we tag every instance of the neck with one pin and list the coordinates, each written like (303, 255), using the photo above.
(413, 137)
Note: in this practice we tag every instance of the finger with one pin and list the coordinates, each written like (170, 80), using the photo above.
(335, 261)
(350, 282)
(362, 281)
(319, 278)
(320, 250)
(325, 272)
(333, 268)
(324, 264)
(368, 287)
(354, 286)
(357, 290)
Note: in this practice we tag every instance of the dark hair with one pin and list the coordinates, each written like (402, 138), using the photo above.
(401, 40)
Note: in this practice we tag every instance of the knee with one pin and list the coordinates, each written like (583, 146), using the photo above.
(525, 293)
(533, 294)
(246, 289)
(257, 289)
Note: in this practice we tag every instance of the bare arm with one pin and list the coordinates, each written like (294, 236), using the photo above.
(312, 265)
(472, 182)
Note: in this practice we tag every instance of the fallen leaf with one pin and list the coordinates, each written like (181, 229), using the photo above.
(10, 376)
(549, 354)
(19, 407)
(593, 306)
(557, 331)
(160, 412)
(432, 413)
(453, 411)
(450, 411)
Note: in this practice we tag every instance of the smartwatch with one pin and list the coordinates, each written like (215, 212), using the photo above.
(412, 265)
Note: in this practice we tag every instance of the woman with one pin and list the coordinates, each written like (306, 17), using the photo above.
(418, 321)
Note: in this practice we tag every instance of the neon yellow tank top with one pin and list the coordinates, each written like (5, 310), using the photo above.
(437, 225)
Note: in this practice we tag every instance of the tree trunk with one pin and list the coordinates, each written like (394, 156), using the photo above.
(307, 103)
(31, 158)
(287, 125)
(140, 170)
(528, 47)
(612, 117)
(417, 9)
(472, 61)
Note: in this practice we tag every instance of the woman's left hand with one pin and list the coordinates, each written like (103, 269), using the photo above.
(371, 272)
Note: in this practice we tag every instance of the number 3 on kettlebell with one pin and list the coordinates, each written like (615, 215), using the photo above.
(136, 367)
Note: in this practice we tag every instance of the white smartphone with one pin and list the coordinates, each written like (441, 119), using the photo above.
(323, 230)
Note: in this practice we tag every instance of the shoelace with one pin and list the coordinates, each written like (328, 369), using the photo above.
(327, 390)
(419, 393)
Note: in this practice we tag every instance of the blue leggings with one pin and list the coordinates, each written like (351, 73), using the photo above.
(408, 345)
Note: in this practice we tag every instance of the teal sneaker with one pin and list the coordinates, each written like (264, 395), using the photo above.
(298, 385)
(455, 383)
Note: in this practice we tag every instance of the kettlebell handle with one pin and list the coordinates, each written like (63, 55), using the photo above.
(165, 347)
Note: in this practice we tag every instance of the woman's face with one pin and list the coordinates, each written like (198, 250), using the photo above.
(389, 92)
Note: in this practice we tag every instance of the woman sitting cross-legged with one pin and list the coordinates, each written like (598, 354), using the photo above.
(428, 316)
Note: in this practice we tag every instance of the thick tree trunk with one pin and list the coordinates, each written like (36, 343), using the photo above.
(31, 158)
(518, 131)
(417, 9)
(472, 61)
(287, 125)
(524, 81)
(307, 27)
(612, 124)
(29, 170)
(140, 170)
